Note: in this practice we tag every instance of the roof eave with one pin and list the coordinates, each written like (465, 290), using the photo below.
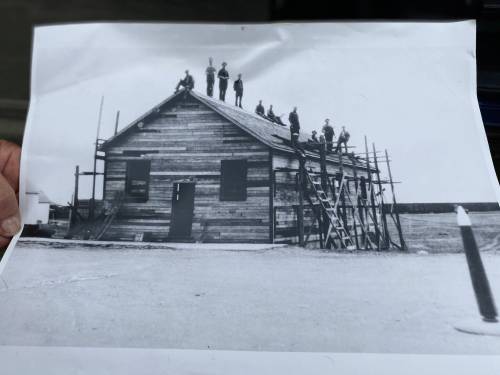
(107, 143)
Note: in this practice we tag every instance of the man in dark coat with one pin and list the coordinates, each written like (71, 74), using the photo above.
(329, 133)
(210, 72)
(343, 139)
(223, 76)
(238, 91)
(270, 114)
(260, 109)
(294, 127)
(314, 136)
(187, 82)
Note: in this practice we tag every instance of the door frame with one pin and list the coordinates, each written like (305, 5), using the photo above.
(171, 235)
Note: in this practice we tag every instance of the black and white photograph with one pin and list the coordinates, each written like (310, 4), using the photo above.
(274, 188)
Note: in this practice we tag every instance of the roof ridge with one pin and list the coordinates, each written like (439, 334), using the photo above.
(233, 107)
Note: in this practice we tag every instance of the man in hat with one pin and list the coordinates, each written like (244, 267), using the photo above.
(210, 72)
(314, 136)
(260, 109)
(343, 139)
(223, 76)
(329, 133)
(187, 82)
(238, 90)
(293, 117)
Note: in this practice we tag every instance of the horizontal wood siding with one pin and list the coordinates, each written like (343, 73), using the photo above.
(186, 141)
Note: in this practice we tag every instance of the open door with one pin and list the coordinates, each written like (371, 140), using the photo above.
(182, 211)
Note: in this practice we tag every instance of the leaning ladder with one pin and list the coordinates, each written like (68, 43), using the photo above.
(336, 230)
(108, 220)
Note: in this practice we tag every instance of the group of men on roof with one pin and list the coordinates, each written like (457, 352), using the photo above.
(329, 135)
(328, 131)
(259, 110)
(223, 75)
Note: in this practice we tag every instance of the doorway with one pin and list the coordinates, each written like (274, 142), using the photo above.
(182, 211)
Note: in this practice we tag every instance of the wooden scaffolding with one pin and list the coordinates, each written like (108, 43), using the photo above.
(350, 210)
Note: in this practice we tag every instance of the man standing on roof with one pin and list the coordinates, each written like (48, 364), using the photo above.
(260, 109)
(210, 72)
(187, 82)
(223, 76)
(343, 139)
(294, 127)
(238, 90)
(329, 133)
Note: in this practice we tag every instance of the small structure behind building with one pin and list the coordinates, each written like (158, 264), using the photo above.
(37, 208)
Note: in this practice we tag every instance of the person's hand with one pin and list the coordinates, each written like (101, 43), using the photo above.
(10, 218)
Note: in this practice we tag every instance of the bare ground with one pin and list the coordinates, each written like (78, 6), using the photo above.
(278, 299)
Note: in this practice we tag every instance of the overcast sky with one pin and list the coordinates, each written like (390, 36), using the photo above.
(409, 88)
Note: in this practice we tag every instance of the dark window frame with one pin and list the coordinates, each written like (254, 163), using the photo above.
(143, 175)
(233, 180)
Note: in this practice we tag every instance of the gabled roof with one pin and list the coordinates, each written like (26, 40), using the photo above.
(264, 130)
(267, 132)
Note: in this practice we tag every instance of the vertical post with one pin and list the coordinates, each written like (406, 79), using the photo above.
(74, 206)
(94, 175)
(322, 163)
(323, 224)
(364, 210)
(478, 276)
(117, 120)
(354, 202)
(272, 190)
(383, 218)
(342, 191)
(372, 196)
(300, 212)
(395, 205)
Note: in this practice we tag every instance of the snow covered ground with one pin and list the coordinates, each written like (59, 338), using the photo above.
(276, 299)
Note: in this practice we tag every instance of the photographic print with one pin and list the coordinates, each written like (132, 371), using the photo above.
(282, 188)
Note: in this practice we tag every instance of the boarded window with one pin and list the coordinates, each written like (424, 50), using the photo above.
(233, 180)
(137, 185)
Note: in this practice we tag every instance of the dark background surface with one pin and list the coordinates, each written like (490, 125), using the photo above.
(17, 18)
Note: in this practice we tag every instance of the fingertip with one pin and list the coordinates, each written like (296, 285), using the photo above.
(10, 226)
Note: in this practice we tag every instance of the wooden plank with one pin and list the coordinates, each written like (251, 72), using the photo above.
(191, 145)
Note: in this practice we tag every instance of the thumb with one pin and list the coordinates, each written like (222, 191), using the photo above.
(10, 218)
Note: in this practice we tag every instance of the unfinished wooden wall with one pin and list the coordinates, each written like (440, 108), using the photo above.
(286, 198)
(187, 141)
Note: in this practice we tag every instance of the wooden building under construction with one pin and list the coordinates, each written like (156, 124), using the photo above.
(194, 168)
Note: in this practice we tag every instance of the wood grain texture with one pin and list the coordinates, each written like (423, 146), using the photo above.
(189, 147)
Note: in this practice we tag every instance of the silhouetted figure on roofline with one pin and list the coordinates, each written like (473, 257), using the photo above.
(314, 136)
(294, 127)
(260, 109)
(329, 133)
(223, 76)
(210, 73)
(343, 139)
(272, 117)
(238, 90)
(187, 82)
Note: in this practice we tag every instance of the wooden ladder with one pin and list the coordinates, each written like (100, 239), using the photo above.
(336, 230)
(108, 220)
